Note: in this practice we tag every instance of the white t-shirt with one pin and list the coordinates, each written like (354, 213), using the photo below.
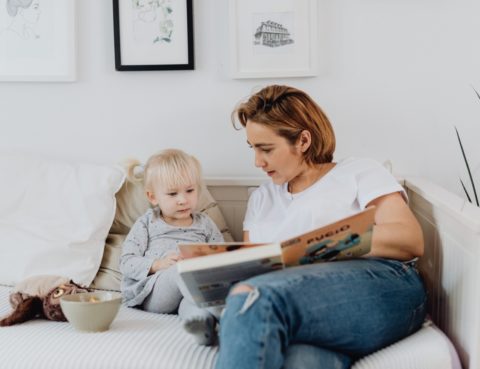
(274, 214)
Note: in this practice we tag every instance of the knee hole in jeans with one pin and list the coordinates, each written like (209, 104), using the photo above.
(252, 295)
(241, 288)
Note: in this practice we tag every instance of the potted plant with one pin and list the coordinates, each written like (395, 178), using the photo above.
(468, 168)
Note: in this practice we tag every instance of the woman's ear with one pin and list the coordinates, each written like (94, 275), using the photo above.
(304, 140)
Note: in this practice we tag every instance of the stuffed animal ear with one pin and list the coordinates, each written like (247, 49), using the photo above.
(16, 298)
(26, 309)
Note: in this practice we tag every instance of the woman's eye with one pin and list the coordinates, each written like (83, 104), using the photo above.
(266, 150)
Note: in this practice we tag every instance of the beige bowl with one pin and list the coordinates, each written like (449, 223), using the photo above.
(91, 311)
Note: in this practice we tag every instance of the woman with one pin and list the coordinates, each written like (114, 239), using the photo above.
(26, 15)
(322, 315)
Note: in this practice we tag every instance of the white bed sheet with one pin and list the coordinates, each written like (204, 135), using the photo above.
(136, 339)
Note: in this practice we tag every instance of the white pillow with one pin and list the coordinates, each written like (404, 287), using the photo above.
(54, 217)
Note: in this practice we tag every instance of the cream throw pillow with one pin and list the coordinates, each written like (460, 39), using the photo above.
(131, 203)
(54, 217)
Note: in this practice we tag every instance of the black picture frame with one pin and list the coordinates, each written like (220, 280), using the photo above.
(121, 64)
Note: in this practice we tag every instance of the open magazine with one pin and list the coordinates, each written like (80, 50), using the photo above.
(210, 269)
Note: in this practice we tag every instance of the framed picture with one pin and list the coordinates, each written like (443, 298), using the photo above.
(37, 40)
(153, 34)
(273, 38)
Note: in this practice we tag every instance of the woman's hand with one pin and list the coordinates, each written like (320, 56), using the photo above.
(397, 233)
(165, 262)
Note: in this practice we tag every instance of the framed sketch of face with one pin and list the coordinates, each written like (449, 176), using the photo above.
(37, 39)
(153, 34)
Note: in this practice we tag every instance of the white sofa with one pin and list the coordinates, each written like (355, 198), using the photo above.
(143, 340)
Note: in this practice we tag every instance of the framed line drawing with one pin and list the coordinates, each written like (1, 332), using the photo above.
(273, 38)
(153, 34)
(37, 40)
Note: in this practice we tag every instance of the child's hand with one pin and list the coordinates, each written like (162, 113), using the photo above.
(165, 262)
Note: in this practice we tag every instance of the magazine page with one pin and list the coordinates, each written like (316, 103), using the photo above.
(209, 279)
(347, 238)
(193, 250)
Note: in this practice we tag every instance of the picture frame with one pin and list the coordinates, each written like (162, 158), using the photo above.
(37, 41)
(153, 35)
(273, 38)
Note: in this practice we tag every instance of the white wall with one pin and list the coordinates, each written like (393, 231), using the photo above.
(395, 77)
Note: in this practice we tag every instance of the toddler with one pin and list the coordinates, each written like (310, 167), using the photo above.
(150, 280)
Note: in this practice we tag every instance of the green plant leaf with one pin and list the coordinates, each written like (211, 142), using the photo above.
(465, 190)
(478, 95)
(468, 166)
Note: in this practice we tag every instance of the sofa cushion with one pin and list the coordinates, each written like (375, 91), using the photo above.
(131, 204)
(54, 217)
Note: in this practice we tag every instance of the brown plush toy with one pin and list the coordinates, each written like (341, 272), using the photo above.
(39, 297)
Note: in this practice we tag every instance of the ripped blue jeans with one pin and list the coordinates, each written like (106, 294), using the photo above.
(321, 316)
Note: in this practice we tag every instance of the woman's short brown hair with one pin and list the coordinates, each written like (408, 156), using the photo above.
(289, 111)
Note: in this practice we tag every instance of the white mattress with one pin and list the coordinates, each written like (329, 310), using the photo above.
(136, 339)
(143, 340)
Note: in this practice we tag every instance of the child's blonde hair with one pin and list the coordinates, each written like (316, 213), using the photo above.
(169, 168)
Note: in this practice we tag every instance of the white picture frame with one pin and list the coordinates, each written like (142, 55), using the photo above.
(273, 38)
(37, 41)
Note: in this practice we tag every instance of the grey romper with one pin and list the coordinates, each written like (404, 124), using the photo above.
(151, 238)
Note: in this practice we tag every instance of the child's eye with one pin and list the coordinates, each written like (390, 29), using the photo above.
(190, 190)
(172, 194)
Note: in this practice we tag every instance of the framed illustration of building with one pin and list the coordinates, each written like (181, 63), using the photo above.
(37, 40)
(153, 34)
(273, 38)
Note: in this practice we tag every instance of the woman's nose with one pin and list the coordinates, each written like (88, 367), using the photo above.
(259, 162)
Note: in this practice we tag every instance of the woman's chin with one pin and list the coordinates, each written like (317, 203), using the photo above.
(277, 180)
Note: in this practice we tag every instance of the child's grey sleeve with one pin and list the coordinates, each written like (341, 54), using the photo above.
(133, 263)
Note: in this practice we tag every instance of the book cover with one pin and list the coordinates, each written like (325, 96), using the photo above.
(347, 238)
(209, 270)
